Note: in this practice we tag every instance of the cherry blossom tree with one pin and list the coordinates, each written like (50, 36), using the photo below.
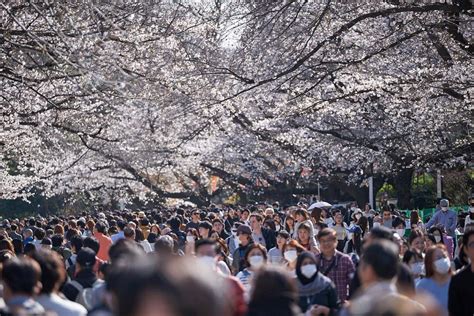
(151, 99)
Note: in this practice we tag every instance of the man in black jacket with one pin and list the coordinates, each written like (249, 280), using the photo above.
(85, 276)
(14, 232)
(175, 224)
(261, 235)
(461, 294)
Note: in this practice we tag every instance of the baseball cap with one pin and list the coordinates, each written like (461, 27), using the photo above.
(444, 203)
(244, 229)
(86, 257)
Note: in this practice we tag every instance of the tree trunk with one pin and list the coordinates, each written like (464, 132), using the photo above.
(403, 184)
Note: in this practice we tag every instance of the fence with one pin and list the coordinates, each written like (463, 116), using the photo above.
(426, 212)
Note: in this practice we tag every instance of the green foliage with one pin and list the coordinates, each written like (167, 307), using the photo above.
(424, 190)
(386, 188)
(457, 186)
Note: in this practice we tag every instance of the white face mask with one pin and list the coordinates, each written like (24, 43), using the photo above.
(444, 209)
(376, 224)
(471, 210)
(190, 238)
(417, 268)
(442, 265)
(401, 232)
(437, 238)
(308, 270)
(353, 208)
(290, 255)
(207, 261)
(256, 261)
(277, 227)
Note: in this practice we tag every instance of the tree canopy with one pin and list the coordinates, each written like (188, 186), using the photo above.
(155, 97)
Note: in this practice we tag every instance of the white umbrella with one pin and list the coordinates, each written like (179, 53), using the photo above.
(188, 203)
(320, 204)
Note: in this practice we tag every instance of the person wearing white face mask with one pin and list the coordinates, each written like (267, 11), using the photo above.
(191, 237)
(441, 238)
(415, 261)
(399, 226)
(290, 253)
(470, 217)
(232, 241)
(445, 217)
(255, 258)
(438, 276)
(317, 294)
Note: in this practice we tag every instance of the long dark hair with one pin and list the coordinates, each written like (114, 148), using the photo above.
(274, 293)
(414, 217)
(363, 223)
(357, 243)
(440, 231)
(286, 222)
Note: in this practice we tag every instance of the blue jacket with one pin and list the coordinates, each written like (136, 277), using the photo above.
(448, 220)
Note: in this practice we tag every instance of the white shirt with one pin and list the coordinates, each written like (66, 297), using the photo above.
(223, 268)
(146, 246)
(37, 243)
(468, 220)
(245, 277)
(60, 306)
(275, 256)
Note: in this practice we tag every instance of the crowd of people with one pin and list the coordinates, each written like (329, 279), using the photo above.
(231, 260)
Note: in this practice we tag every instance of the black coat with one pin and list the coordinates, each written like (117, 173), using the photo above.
(270, 238)
(85, 277)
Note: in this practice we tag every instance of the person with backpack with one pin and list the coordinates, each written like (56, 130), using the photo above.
(57, 242)
(76, 245)
(85, 277)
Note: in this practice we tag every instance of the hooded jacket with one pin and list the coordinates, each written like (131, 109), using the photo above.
(318, 290)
